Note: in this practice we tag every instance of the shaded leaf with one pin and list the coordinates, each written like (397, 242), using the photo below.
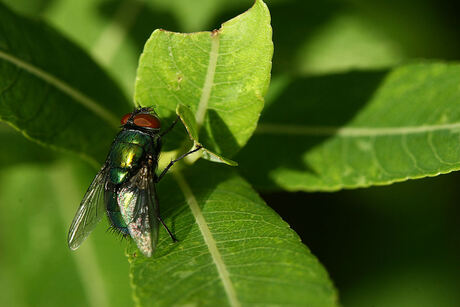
(18, 150)
(52, 91)
(221, 76)
(233, 249)
(188, 119)
(358, 129)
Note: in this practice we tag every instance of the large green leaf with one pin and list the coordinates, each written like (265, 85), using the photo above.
(221, 76)
(358, 129)
(52, 91)
(19, 150)
(233, 249)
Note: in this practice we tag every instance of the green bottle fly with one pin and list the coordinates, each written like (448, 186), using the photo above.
(124, 188)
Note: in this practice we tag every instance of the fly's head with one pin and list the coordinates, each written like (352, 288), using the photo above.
(142, 119)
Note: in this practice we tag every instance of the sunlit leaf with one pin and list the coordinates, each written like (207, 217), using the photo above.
(233, 249)
(221, 76)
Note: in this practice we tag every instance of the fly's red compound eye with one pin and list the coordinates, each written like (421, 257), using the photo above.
(125, 118)
(147, 120)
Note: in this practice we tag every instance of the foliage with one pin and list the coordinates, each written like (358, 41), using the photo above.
(350, 104)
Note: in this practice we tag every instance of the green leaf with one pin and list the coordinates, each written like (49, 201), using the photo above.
(188, 119)
(221, 76)
(358, 129)
(233, 249)
(18, 150)
(38, 269)
(27, 7)
(52, 91)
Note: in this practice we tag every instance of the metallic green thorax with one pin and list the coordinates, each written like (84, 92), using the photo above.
(129, 149)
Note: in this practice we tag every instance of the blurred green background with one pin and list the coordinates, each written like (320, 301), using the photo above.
(385, 246)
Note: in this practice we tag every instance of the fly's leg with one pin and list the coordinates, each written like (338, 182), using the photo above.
(174, 161)
(168, 167)
(170, 127)
(167, 229)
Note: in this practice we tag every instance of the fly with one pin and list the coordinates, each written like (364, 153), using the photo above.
(124, 188)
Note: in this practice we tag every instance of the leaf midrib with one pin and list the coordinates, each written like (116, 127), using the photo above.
(285, 129)
(209, 80)
(63, 87)
(208, 238)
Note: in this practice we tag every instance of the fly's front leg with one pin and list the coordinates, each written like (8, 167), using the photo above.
(170, 127)
(174, 161)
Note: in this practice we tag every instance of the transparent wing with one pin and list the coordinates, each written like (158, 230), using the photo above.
(90, 212)
(139, 207)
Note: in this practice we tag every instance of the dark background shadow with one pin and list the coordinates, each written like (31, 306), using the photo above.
(391, 244)
(35, 7)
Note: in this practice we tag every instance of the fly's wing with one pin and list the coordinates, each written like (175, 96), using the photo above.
(90, 212)
(139, 207)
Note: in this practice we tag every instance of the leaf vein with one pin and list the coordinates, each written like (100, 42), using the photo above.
(209, 239)
(63, 87)
(286, 129)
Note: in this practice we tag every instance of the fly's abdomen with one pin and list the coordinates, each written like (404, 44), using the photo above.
(117, 175)
(114, 214)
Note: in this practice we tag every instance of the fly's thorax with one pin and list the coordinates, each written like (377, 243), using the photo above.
(126, 155)
(128, 149)
(134, 136)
